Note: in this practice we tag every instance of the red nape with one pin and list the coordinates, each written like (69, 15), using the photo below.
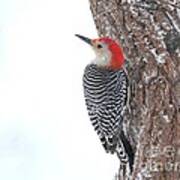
(117, 59)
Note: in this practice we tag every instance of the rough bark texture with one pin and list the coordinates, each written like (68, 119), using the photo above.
(149, 32)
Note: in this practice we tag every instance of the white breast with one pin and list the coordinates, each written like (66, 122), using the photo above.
(103, 58)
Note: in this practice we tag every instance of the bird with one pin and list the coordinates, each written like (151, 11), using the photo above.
(105, 84)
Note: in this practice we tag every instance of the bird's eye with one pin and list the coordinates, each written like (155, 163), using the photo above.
(99, 46)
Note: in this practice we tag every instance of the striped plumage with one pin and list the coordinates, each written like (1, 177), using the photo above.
(105, 93)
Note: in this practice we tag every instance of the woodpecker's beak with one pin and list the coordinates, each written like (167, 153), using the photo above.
(85, 39)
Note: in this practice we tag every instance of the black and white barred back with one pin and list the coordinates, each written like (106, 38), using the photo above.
(105, 93)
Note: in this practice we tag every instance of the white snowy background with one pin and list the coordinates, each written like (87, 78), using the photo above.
(45, 132)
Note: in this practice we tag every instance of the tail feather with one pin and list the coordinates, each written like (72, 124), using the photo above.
(109, 143)
(125, 152)
(121, 146)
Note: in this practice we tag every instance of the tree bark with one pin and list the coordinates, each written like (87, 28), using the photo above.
(149, 32)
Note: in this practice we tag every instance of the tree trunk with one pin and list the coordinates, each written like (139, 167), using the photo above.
(149, 32)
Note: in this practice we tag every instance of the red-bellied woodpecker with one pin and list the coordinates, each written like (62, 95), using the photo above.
(106, 89)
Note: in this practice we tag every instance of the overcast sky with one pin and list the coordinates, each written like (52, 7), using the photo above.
(45, 132)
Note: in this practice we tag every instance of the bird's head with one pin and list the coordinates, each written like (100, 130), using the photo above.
(108, 53)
